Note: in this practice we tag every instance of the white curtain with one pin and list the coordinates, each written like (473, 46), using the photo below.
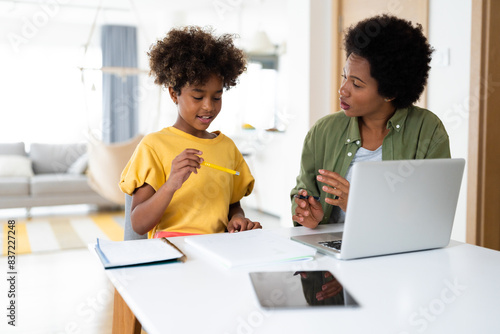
(120, 105)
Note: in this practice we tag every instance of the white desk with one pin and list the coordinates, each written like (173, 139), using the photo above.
(450, 290)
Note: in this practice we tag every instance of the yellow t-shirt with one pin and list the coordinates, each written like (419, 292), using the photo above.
(201, 205)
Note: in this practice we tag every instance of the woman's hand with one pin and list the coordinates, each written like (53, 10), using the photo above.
(187, 162)
(329, 289)
(309, 211)
(240, 223)
(335, 185)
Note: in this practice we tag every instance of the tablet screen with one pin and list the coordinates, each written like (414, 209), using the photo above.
(300, 289)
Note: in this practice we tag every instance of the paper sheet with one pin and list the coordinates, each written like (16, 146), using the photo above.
(250, 247)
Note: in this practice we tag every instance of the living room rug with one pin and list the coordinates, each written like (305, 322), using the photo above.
(53, 233)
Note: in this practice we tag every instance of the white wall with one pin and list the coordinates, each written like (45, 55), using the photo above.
(307, 71)
(34, 67)
(448, 87)
(276, 165)
(320, 55)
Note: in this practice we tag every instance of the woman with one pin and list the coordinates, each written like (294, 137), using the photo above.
(385, 73)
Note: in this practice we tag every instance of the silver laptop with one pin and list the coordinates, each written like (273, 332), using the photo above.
(395, 207)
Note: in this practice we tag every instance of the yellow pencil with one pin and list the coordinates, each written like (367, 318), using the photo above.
(227, 170)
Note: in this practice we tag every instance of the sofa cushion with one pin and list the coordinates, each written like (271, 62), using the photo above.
(55, 158)
(12, 149)
(59, 184)
(14, 186)
(15, 165)
(80, 165)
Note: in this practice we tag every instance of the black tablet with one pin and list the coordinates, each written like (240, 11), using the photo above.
(300, 289)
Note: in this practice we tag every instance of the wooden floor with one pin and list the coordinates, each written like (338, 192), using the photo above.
(59, 292)
(64, 291)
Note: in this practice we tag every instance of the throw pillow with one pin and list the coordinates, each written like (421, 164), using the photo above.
(55, 158)
(15, 165)
(80, 165)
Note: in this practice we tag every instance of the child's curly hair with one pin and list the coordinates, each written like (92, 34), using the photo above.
(190, 55)
(398, 53)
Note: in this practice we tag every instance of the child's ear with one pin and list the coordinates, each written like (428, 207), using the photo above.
(173, 94)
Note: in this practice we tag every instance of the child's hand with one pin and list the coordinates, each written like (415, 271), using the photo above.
(240, 223)
(182, 166)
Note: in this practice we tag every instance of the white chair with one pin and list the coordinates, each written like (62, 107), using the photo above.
(129, 233)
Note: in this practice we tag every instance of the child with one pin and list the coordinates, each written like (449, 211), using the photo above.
(173, 194)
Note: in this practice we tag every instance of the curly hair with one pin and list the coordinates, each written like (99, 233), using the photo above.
(398, 53)
(190, 55)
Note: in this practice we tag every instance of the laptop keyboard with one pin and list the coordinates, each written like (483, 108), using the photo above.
(335, 244)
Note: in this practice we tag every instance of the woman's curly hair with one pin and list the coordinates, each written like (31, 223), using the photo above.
(190, 55)
(398, 53)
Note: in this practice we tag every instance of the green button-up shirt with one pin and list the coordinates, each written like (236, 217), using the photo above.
(414, 133)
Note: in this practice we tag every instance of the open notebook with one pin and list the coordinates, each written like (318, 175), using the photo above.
(114, 254)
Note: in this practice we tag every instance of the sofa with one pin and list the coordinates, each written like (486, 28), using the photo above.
(46, 175)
